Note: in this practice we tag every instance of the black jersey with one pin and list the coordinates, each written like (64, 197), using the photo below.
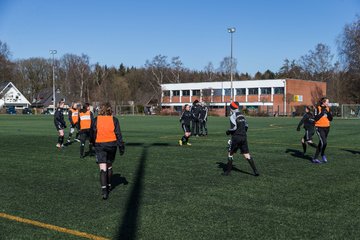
(195, 110)
(186, 117)
(238, 124)
(203, 113)
(308, 121)
(59, 118)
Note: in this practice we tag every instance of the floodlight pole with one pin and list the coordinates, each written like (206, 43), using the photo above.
(53, 52)
(232, 93)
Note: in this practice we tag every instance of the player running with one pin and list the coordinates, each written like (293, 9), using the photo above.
(106, 137)
(308, 121)
(185, 120)
(323, 117)
(73, 119)
(60, 123)
(86, 117)
(238, 129)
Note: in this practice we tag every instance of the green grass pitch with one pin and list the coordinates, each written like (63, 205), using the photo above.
(164, 191)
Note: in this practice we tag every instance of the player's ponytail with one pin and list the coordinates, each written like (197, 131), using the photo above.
(106, 109)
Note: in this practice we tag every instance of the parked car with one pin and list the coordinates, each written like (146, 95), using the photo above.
(26, 111)
(11, 110)
(48, 112)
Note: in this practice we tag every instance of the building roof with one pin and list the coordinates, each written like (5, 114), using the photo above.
(45, 98)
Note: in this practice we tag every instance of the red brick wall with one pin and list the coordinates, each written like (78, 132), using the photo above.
(217, 99)
(176, 99)
(252, 98)
(185, 99)
(166, 99)
(240, 98)
(310, 90)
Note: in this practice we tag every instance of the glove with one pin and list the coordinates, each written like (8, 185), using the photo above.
(227, 132)
(298, 129)
(122, 148)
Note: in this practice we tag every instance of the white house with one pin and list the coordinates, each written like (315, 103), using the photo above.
(11, 96)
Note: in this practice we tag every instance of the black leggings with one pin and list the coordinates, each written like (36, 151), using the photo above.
(322, 133)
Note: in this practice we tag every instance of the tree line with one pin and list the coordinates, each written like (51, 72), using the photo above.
(79, 80)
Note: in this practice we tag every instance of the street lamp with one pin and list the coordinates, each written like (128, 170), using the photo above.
(53, 52)
(231, 31)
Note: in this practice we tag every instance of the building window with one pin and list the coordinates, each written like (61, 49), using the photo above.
(176, 93)
(241, 91)
(166, 93)
(227, 92)
(217, 92)
(265, 91)
(186, 92)
(178, 108)
(196, 92)
(253, 91)
(206, 92)
(278, 90)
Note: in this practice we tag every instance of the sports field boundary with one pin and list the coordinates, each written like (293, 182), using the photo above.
(51, 227)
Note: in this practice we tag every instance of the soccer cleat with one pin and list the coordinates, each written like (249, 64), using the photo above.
(58, 145)
(324, 159)
(180, 142)
(77, 140)
(105, 194)
(68, 141)
(315, 160)
(189, 144)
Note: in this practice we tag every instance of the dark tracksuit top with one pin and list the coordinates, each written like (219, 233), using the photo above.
(195, 110)
(59, 119)
(238, 125)
(185, 119)
(308, 121)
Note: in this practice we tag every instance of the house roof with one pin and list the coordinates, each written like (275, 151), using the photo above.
(3, 85)
(45, 98)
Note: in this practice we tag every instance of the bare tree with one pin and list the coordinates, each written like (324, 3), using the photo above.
(226, 66)
(176, 68)
(6, 66)
(349, 50)
(317, 64)
(76, 73)
(33, 75)
(209, 71)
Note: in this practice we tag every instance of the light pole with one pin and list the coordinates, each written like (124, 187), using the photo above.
(53, 52)
(231, 31)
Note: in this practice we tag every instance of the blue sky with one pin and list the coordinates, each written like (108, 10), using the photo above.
(133, 31)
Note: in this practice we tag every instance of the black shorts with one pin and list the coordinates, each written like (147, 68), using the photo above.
(239, 142)
(105, 154)
(59, 127)
(186, 127)
(84, 135)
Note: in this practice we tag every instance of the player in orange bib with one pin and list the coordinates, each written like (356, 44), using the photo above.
(86, 117)
(322, 117)
(106, 137)
(73, 119)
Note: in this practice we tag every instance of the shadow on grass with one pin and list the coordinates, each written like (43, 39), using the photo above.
(128, 228)
(234, 168)
(351, 151)
(117, 180)
(298, 154)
